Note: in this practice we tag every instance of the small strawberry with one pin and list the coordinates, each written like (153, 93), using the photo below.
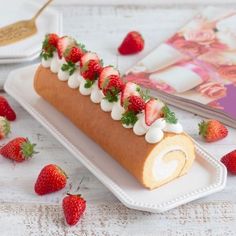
(128, 90)
(212, 130)
(134, 103)
(153, 110)
(52, 39)
(4, 127)
(229, 160)
(73, 54)
(105, 73)
(19, 149)
(73, 207)
(87, 57)
(111, 87)
(49, 45)
(6, 110)
(90, 68)
(63, 43)
(132, 43)
(51, 179)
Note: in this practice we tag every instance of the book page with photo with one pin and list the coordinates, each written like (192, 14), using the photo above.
(197, 64)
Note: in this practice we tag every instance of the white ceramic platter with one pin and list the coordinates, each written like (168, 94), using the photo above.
(207, 175)
(49, 21)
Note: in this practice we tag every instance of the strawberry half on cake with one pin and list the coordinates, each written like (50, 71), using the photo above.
(140, 132)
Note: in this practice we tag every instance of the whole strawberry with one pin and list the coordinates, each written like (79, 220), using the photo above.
(63, 43)
(229, 160)
(73, 54)
(4, 127)
(73, 207)
(6, 110)
(212, 130)
(51, 179)
(132, 43)
(111, 87)
(49, 45)
(134, 103)
(91, 70)
(18, 149)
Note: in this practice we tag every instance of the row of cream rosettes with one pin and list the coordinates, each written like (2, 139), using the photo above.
(153, 133)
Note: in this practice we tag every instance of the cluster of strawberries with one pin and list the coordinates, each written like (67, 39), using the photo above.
(51, 178)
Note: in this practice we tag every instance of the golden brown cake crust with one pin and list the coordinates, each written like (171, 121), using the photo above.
(130, 150)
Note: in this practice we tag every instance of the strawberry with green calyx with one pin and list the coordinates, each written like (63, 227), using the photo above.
(19, 149)
(49, 46)
(105, 73)
(169, 115)
(73, 208)
(51, 179)
(90, 68)
(212, 130)
(128, 90)
(4, 127)
(132, 105)
(72, 55)
(63, 43)
(111, 87)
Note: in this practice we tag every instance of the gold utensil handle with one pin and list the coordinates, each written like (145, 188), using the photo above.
(41, 9)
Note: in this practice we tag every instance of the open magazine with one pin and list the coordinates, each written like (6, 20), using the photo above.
(195, 69)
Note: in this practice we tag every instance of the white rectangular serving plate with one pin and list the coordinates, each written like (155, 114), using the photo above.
(206, 176)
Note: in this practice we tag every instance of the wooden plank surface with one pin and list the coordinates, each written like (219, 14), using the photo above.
(22, 213)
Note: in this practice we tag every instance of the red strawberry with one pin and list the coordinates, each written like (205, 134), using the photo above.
(135, 104)
(63, 43)
(88, 56)
(128, 90)
(6, 110)
(153, 110)
(52, 39)
(112, 84)
(105, 73)
(212, 130)
(19, 149)
(132, 43)
(4, 127)
(91, 70)
(229, 160)
(73, 207)
(51, 179)
(73, 54)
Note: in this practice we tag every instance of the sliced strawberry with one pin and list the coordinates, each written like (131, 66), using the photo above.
(63, 43)
(153, 110)
(87, 57)
(105, 73)
(129, 90)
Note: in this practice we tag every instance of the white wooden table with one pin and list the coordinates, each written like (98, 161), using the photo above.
(22, 213)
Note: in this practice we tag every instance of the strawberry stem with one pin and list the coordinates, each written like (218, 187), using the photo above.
(28, 149)
(203, 128)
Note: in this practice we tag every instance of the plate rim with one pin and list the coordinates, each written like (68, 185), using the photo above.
(218, 184)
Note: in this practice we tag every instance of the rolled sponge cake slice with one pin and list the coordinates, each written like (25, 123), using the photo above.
(151, 164)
